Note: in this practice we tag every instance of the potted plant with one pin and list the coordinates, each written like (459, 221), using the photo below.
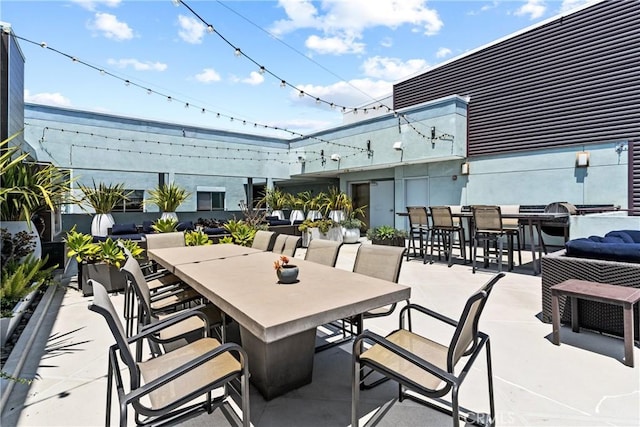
(386, 235)
(27, 189)
(287, 273)
(165, 225)
(326, 229)
(196, 238)
(242, 233)
(168, 198)
(276, 200)
(103, 198)
(80, 248)
(298, 204)
(20, 280)
(313, 205)
(336, 203)
(352, 225)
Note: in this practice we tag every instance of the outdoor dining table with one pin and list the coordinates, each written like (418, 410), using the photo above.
(278, 322)
(172, 257)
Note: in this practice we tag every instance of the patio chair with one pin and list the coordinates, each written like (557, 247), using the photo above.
(424, 366)
(444, 230)
(164, 388)
(287, 245)
(323, 252)
(418, 229)
(488, 232)
(160, 306)
(264, 240)
(514, 224)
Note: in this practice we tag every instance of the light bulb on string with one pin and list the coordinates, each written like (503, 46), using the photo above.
(186, 105)
(210, 28)
(149, 91)
(102, 72)
(74, 59)
(317, 100)
(168, 99)
(127, 82)
(262, 69)
(283, 83)
(203, 110)
(237, 52)
(43, 45)
(301, 94)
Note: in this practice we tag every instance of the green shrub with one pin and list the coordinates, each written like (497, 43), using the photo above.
(19, 279)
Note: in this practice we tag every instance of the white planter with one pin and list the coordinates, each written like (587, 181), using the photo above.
(101, 224)
(170, 215)
(350, 235)
(334, 233)
(278, 213)
(8, 324)
(337, 216)
(306, 238)
(296, 215)
(314, 215)
(14, 227)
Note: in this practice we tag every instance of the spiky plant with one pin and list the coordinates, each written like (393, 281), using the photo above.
(102, 197)
(168, 197)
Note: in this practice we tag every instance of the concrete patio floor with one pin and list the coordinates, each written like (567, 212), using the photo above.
(582, 382)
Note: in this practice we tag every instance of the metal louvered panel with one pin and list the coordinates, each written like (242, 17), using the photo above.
(634, 176)
(572, 81)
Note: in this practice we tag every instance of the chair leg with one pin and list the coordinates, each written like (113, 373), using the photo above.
(355, 391)
(109, 393)
(455, 412)
(244, 389)
(473, 255)
(463, 245)
(492, 409)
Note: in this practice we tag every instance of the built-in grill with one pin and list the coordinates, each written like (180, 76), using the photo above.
(560, 226)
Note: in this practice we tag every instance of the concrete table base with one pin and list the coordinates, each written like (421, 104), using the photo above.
(280, 366)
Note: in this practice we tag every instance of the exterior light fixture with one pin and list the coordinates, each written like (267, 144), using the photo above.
(464, 168)
(582, 159)
(335, 157)
(398, 146)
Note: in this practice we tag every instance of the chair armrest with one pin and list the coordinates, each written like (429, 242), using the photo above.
(170, 376)
(168, 291)
(154, 328)
(426, 311)
(409, 357)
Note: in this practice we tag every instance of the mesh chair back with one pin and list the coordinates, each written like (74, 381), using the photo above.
(379, 261)
(263, 240)
(487, 218)
(465, 337)
(417, 216)
(278, 246)
(441, 216)
(510, 209)
(136, 279)
(102, 305)
(291, 245)
(323, 252)
(165, 240)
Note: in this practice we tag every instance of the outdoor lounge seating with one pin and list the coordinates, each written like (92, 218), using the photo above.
(425, 366)
(165, 387)
(560, 266)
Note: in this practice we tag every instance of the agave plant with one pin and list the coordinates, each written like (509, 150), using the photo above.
(165, 225)
(196, 238)
(102, 197)
(80, 246)
(241, 232)
(275, 199)
(168, 197)
(336, 200)
(19, 278)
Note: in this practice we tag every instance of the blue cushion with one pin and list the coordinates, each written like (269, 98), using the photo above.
(279, 222)
(132, 236)
(271, 217)
(119, 229)
(625, 235)
(214, 230)
(185, 225)
(147, 227)
(588, 248)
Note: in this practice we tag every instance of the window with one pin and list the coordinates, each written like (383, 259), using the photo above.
(134, 204)
(210, 200)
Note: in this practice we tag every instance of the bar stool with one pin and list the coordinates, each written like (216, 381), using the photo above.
(444, 229)
(418, 229)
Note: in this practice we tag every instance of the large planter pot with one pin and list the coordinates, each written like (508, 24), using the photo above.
(337, 215)
(278, 214)
(101, 224)
(296, 215)
(350, 235)
(314, 215)
(169, 215)
(15, 227)
(396, 241)
(306, 238)
(108, 275)
(334, 233)
(8, 324)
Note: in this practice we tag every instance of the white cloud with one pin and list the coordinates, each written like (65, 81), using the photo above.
(192, 31)
(334, 45)
(443, 52)
(254, 79)
(354, 92)
(110, 27)
(392, 69)
(571, 4)
(93, 4)
(138, 65)
(341, 23)
(208, 75)
(534, 8)
(483, 8)
(55, 99)
(386, 42)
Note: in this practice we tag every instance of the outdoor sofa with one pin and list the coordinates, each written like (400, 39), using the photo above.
(613, 258)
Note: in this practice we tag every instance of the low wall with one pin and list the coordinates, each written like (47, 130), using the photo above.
(600, 224)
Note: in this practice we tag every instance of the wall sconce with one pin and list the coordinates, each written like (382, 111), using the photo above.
(582, 159)
(369, 150)
(335, 157)
(464, 168)
(398, 146)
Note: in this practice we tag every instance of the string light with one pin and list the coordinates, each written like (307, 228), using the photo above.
(262, 69)
(210, 28)
(283, 83)
(238, 52)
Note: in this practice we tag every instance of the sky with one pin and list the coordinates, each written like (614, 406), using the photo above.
(160, 61)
